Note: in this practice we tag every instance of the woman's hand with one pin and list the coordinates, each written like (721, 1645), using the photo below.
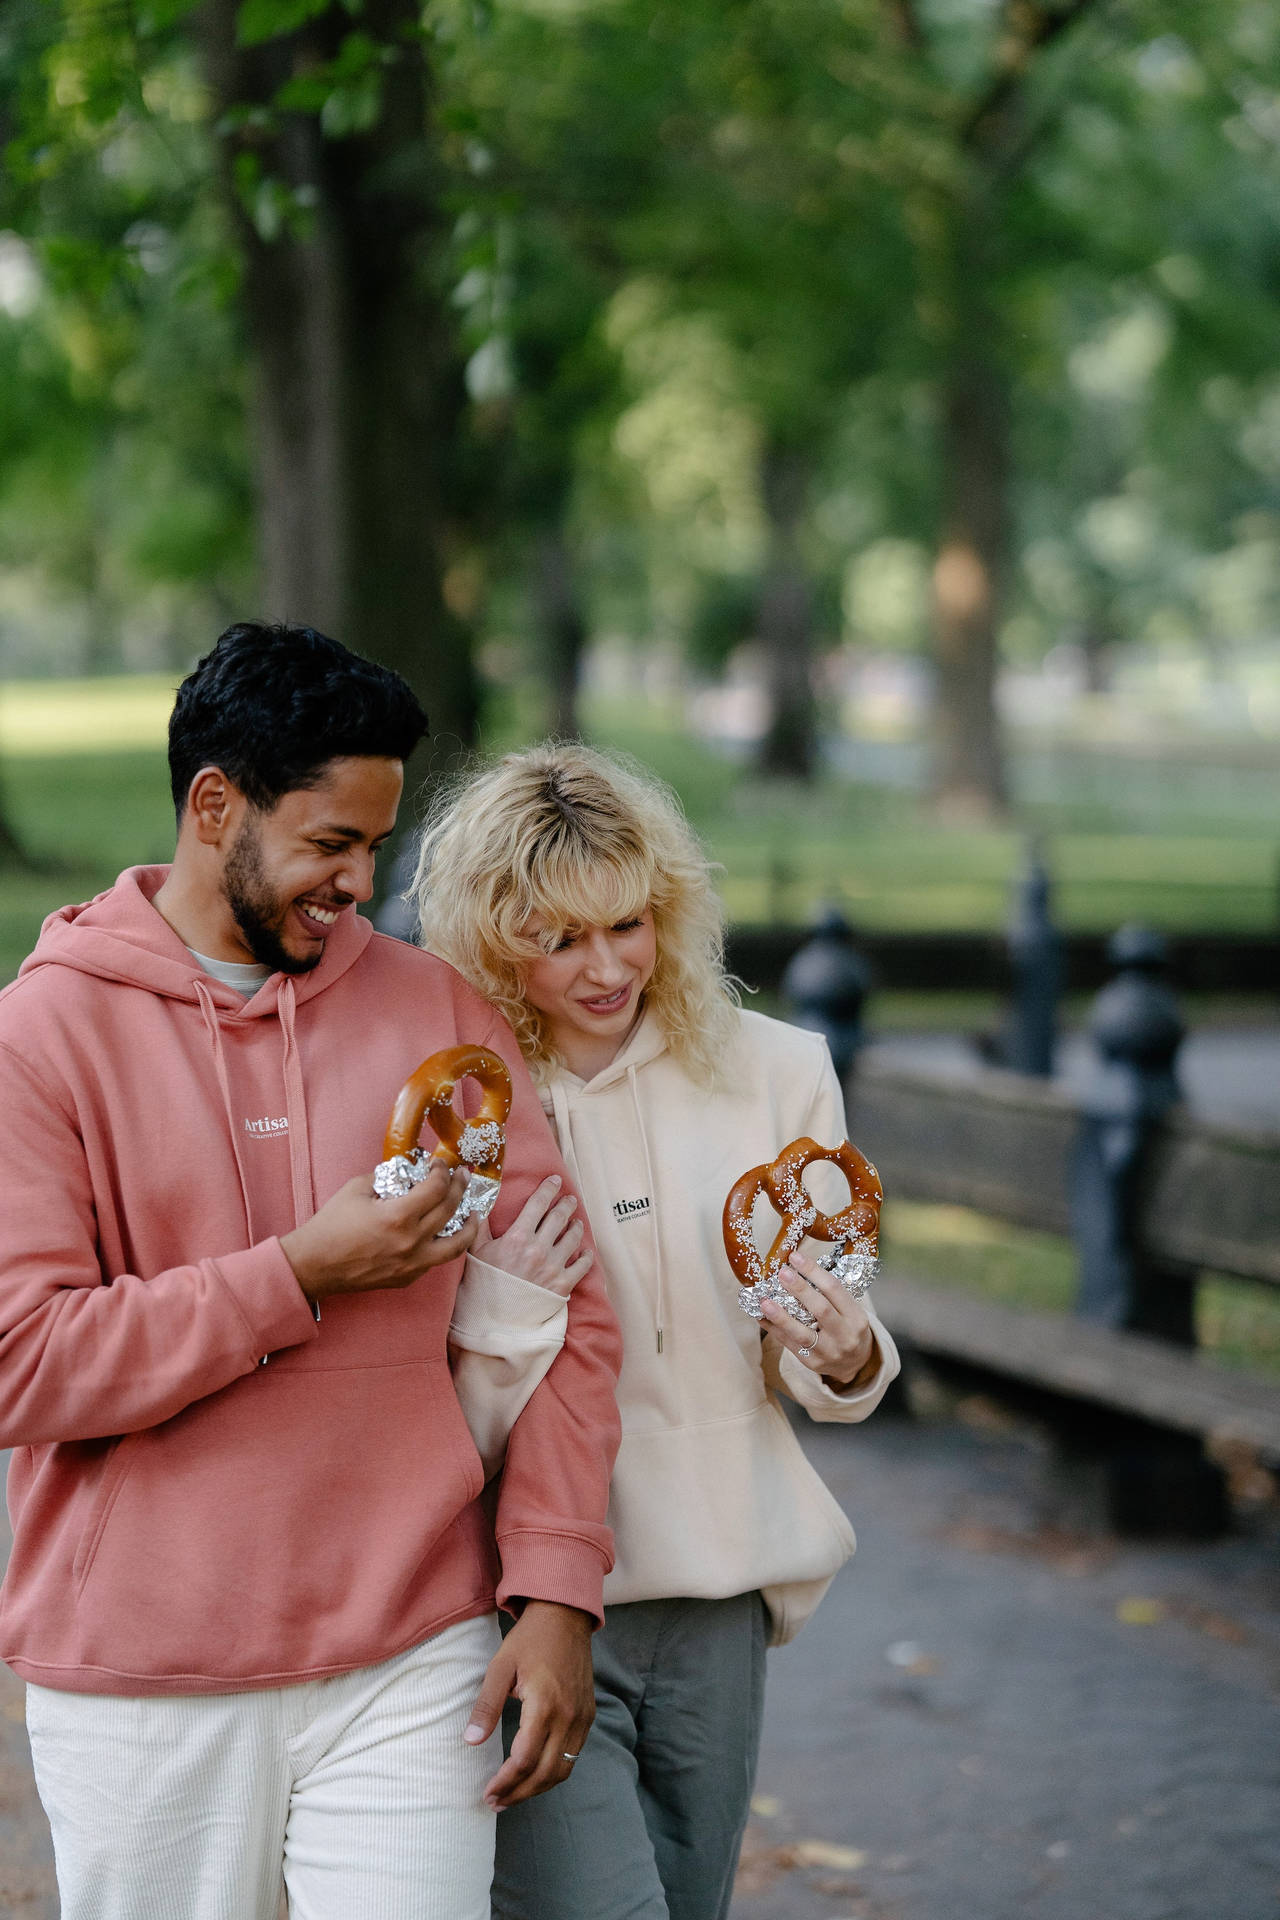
(842, 1346)
(542, 1243)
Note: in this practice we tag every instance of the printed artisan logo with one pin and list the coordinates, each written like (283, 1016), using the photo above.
(267, 1126)
(630, 1209)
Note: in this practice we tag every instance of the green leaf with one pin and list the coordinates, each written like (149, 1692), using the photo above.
(260, 20)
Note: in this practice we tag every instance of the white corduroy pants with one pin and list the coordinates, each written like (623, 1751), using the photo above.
(359, 1789)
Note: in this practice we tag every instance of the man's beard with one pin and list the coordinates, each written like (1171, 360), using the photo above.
(255, 907)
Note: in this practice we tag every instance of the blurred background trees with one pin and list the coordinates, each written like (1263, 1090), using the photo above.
(762, 335)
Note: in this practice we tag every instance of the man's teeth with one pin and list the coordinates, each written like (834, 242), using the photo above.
(323, 914)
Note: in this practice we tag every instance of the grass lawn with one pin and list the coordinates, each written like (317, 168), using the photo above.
(784, 849)
(85, 781)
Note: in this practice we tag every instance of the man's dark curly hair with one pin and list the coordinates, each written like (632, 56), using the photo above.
(273, 705)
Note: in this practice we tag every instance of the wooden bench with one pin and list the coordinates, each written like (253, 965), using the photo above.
(1127, 1372)
(1001, 1144)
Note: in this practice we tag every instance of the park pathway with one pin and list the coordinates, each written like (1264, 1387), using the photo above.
(1000, 1713)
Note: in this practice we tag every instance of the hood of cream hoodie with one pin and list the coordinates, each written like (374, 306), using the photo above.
(187, 1518)
(712, 1494)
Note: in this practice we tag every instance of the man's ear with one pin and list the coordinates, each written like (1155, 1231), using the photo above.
(215, 806)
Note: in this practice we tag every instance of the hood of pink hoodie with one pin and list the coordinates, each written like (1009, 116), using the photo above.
(120, 936)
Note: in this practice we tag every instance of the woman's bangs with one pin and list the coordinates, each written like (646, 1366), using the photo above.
(576, 892)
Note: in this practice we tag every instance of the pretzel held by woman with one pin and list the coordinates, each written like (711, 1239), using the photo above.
(477, 1144)
(855, 1229)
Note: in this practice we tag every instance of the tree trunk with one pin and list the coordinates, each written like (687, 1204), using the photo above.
(563, 631)
(358, 388)
(971, 565)
(785, 624)
(13, 855)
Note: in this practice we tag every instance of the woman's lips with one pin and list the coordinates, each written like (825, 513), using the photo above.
(609, 1003)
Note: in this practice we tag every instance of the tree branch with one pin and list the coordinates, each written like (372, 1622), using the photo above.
(905, 23)
(1029, 30)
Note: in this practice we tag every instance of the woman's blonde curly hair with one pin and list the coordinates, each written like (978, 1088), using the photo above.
(577, 838)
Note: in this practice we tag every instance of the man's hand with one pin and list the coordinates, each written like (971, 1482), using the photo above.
(545, 1661)
(357, 1243)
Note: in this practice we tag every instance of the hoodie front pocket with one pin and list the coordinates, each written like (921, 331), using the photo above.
(287, 1525)
(114, 1469)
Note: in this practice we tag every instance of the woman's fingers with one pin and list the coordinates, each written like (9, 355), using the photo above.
(840, 1343)
(557, 1220)
(540, 1203)
(578, 1270)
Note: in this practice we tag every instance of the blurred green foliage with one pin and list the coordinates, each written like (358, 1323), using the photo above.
(125, 497)
(680, 241)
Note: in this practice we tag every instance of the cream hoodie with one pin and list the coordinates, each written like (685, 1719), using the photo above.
(711, 1494)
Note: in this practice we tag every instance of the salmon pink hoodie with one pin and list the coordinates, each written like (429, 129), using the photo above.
(210, 1492)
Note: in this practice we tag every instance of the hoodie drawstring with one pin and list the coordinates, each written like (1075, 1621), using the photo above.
(208, 1008)
(564, 1130)
(295, 1106)
(660, 1305)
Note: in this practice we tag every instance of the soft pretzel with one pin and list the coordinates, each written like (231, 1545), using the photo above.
(427, 1095)
(855, 1228)
(477, 1144)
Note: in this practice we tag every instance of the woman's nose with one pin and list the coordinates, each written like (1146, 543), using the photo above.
(602, 962)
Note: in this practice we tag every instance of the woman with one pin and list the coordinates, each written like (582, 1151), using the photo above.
(569, 890)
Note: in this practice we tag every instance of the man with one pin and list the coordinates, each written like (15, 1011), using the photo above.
(253, 1581)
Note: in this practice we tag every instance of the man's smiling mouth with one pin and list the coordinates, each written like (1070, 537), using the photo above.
(323, 916)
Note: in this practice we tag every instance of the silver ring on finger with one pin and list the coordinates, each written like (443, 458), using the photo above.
(806, 1353)
(570, 1757)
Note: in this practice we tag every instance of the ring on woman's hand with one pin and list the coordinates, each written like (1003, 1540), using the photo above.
(807, 1353)
(570, 1757)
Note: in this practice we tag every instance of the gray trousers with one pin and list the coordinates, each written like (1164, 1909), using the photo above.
(649, 1823)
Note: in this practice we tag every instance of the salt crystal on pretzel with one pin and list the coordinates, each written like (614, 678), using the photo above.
(427, 1096)
(855, 1229)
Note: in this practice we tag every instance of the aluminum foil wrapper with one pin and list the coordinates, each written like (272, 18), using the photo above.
(399, 1175)
(851, 1262)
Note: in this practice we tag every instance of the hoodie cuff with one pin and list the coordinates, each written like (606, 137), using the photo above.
(275, 1310)
(552, 1566)
(498, 1313)
(822, 1402)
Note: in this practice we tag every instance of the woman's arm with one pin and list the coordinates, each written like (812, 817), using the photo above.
(510, 1315)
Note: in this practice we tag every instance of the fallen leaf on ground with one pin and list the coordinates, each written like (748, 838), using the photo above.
(823, 1853)
(910, 1657)
(1218, 1626)
(761, 1864)
(1075, 1554)
(1138, 1612)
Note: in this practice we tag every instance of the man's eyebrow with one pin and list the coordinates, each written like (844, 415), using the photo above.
(332, 831)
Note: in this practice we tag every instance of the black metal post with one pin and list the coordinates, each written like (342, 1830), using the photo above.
(1035, 954)
(1136, 1029)
(1158, 1481)
(825, 985)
